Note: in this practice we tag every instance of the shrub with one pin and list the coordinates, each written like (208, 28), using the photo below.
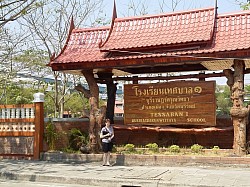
(114, 149)
(153, 147)
(174, 149)
(51, 136)
(196, 148)
(129, 147)
(216, 149)
(77, 139)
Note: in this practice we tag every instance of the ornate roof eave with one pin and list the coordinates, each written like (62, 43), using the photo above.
(101, 44)
(71, 28)
(215, 20)
(206, 59)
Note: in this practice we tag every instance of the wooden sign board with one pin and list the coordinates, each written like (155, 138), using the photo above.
(172, 103)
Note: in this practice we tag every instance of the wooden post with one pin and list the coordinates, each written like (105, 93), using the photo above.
(111, 92)
(39, 125)
(238, 112)
(202, 78)
(135, 81)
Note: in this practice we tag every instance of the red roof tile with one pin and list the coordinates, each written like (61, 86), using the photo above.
(83, 45)
(231, 32)
(159, 30)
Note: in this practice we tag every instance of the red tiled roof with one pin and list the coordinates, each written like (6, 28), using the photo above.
(83, 45)
(231, 32)
(159, 30)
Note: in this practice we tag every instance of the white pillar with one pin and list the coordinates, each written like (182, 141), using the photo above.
(3, 113)
(18, 112)
(22, 113)
(8, 113)
(13, 113)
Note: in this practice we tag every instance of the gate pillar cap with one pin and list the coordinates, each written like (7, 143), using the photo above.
(38, 97)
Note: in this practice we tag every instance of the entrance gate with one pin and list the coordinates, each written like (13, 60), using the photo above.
(21, 130)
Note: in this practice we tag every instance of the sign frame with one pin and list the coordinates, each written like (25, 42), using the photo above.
(170, 103)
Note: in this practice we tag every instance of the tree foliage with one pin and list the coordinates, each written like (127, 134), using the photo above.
(17, 72)
(244, 5)
(223, 100)
(49, 26)
(75, 103)
(11, 10)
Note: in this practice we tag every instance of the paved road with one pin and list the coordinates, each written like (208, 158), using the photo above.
(93, 174)
(14, 183)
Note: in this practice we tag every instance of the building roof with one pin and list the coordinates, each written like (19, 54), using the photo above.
(158, 43)
(83, 45)
(161, 30)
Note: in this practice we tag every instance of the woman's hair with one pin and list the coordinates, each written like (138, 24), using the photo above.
(107, 120)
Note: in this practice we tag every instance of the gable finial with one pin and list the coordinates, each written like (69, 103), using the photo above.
(114, 11)
(72, 24)
(101, 44)
(216, 5)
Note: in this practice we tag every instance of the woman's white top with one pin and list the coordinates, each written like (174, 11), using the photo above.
(106, 130)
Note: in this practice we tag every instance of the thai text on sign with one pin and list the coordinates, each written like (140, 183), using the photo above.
(172, 103)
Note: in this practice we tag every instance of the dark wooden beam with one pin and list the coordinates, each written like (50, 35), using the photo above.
(195, 76)
(134, 61)
(164, 69)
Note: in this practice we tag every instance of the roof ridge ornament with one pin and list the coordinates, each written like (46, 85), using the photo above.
(71, 28)
(52, 57)
(72, 24)
(215, 21)
(216, 6)
(114, 16)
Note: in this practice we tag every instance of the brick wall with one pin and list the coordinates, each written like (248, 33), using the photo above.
(142, 137)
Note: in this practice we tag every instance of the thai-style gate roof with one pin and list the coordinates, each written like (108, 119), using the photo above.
(181, 41)
(164, 30)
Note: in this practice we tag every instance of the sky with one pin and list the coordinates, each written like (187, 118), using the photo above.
(152, 6)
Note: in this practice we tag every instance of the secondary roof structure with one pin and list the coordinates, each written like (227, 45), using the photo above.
(181, 41)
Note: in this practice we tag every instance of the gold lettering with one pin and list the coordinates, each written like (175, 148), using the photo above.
(198, 89)
(190, 90)
(151, 91)
(194, 120)
(136, 90)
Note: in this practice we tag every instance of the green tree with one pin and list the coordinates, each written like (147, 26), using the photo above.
(247, 94)
(75, 103)
(17, 94)
(244, 5)
(11, 10)
(49, 26)
(223, 102)
(17, 73)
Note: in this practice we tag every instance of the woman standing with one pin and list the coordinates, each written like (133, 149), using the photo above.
(107, 134)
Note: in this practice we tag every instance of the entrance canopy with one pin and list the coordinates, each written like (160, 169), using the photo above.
(195, 40)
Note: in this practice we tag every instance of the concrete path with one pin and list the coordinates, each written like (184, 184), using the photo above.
(94, 174)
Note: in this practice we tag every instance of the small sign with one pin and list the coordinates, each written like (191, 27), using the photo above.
(172, 103)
